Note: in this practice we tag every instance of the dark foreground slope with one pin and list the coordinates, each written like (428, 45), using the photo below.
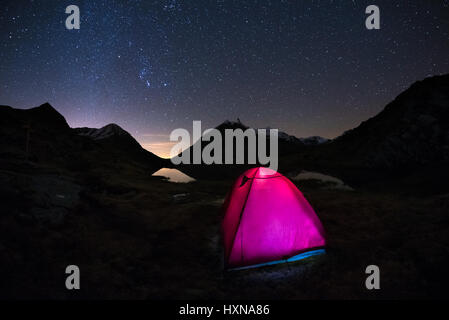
(133, 239)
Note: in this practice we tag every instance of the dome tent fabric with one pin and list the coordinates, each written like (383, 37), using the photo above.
(267, 220)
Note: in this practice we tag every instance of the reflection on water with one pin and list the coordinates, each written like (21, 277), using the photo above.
(173, 175)
(335, 183)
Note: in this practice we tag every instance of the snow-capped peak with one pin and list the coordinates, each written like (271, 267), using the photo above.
(105, 132)
(313, 140)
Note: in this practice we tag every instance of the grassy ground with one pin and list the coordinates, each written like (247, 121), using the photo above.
(132, 239)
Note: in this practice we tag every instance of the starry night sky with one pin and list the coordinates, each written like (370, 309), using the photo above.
(305, 67)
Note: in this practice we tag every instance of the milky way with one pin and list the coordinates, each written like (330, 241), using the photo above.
(305, 67)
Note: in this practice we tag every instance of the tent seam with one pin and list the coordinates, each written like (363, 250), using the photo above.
(241, 215)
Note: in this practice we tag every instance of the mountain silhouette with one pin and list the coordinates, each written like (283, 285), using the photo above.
(120, 143)
(410, 132)
(42, 135)
(87, 195)
(287, 145)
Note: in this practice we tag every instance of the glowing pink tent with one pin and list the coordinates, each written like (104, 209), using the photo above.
(267, 220)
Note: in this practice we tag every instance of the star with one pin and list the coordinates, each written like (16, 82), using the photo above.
(272, 63)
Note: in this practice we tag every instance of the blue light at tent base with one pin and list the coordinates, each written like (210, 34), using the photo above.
(297, 257)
